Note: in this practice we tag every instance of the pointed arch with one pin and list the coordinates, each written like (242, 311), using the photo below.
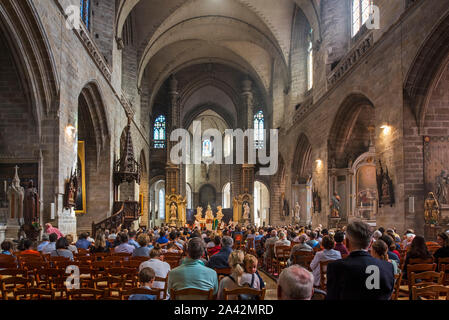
(302, 166)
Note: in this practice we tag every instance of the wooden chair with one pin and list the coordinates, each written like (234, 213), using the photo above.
(191, 294)
(421, 261)
(158, 293)
(85, 259)
(282, 254)
(83, 252)
(430, 292)
(114, 261)
(140, 259)
(302, 258)
(34, 294)
(128, 275)
(424, 279)
(323, 273)
(8, 285)
(445, 270)
(85, 294)
(111, 286)
(8, 262)
(132, 264)
(223, 272)
(397, 286)
(269, 258)
(165, 282)
(260, 294)
(418, 268)
(12, 273)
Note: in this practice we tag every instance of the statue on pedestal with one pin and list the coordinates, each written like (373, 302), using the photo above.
(209, 218)
(297, 211)
(431, 210)
(173, 213)
(246, 211)
(16, 195)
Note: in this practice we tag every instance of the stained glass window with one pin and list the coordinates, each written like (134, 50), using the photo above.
(159, 131)
(207, 148)
(361, 10)
(259, 130)
(85, 12)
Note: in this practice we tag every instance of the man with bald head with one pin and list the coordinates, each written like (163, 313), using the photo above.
(295, 283)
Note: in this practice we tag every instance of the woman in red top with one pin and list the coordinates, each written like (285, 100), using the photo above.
(27, 248)
(216, 249)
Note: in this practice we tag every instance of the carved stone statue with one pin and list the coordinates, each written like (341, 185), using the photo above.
(246, 211)
(16, 194)
(335, 206)
(297, 210)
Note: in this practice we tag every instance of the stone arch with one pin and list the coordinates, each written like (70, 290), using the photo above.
(426, 70)
(93, 130)
(278, 187)
(302, 164)
(349, 133)
(20, 22)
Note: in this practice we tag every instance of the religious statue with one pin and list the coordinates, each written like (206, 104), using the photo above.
(431, 210)
(209, 218)
(246, 211)
(173, 212)
(220, 214)
(335, 206)
(31, 205)
(16, 194)
(441, 185)
(199, 214)
(385, 188)
(71, 192)
(316, 201)
(297, 210)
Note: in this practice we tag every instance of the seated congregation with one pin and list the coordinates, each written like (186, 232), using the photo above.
(352, 263)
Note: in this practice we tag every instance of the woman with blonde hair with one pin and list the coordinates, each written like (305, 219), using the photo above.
(380, 251)
(234, 280)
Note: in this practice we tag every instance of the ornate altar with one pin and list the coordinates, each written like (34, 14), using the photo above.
(243, 208)
(175, 207)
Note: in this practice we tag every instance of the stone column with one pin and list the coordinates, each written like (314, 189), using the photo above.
(172, 181)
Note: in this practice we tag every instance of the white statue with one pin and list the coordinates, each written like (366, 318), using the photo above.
(220, 214)
(246, 211)
(16, 194)
(297, 210)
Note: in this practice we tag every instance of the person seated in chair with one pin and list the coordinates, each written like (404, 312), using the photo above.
(27, 246)
(7, 248)
(82, 242)
(295, 283)
(49, 248)
(43, 244)
(124, 246)
(443, 241)
(62, 249)
(220, 260)
(327, 254)
(146, 279)
(347, 279)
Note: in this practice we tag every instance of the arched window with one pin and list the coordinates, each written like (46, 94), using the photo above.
(159, 131)
(227, 196)
(310, 61)
(207, 148)
(85, 12)
(259, 132)
(360, 14)
(161, 204)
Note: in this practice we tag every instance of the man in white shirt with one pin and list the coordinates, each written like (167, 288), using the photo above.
(160, 267)
(124, 247)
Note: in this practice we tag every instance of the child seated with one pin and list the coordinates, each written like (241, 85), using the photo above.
(252, 277)
(146, 279)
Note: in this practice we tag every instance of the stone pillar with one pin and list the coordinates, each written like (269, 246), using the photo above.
(67, 222)
(247, 104)
(172, 181)
(2, 233)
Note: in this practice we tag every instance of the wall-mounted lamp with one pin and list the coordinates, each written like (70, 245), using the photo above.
(319, 163)
(70, 131)
(386, 130)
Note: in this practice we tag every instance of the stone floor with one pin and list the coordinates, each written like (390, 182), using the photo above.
(271, 286)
